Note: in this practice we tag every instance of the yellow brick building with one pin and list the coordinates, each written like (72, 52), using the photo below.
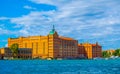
(50, 46)
(110, 51)
(2, 51)
(89, 50)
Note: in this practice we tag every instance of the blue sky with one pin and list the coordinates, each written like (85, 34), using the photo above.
(85, 20)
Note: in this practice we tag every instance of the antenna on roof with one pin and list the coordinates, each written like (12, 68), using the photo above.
(53, 28)
(96, 43)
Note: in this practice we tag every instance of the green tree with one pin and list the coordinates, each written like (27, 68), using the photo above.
(14, 49)
(117, 52)
(106, 54)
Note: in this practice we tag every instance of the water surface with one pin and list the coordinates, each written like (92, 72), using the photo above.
(60, 66)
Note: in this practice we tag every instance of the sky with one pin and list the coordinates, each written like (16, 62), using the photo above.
(84, 20)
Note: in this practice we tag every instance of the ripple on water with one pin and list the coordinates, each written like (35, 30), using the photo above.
(59, 67)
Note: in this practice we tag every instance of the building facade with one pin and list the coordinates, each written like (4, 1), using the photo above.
(55, 46)
(24, 53)
(87, 50)
(110, 51)
(1, 53)
(50, 46)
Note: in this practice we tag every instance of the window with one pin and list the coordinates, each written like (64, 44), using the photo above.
(32, 45)
(36, 47)
(43, 47)
(25, 45)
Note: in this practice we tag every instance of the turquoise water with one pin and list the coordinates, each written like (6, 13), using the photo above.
(59, 66)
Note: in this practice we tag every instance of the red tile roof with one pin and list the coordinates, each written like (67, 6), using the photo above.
(66, 38)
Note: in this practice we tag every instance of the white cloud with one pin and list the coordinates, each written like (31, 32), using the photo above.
(4, 18)
(78, 15)
(34, 23)
(6, 45)
(34, 18)
(51, 2)
(4, 31)
(29, 7)
(81, 19)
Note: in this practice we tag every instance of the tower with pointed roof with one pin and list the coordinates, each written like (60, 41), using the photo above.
(53, 31)
(52, 50)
